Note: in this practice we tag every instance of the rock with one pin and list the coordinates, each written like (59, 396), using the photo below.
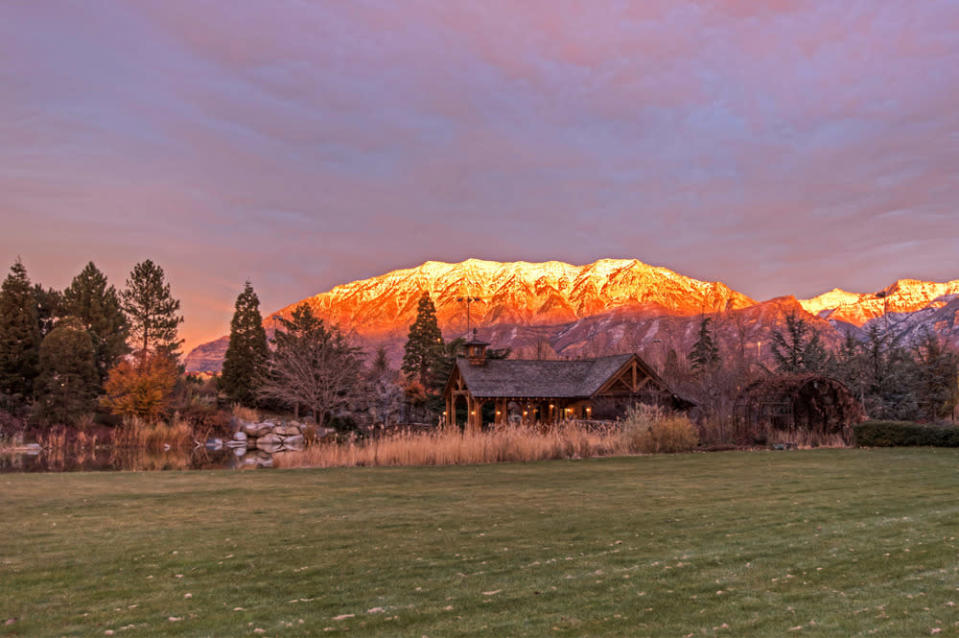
(239, 451)
(250, 429)
(239, 436)
(239, 445)
(214, 444)
(269, 439)
(270, 443)
(294, 442)
(287, 430)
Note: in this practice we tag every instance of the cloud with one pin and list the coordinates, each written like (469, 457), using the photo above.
(784, 148)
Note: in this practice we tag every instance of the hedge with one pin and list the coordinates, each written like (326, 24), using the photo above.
(905, 433)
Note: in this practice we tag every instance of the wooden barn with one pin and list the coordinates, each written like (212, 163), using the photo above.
(483, 391)
(795, 403)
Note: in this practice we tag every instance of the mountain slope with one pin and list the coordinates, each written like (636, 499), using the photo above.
(903, 297)
(613, 305)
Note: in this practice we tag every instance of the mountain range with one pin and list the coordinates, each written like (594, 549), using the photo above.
(555, 310)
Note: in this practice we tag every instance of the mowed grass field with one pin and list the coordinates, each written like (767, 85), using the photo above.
(810, 543)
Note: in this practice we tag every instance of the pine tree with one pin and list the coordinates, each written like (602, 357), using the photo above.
(19, 337)
(68, 383)
(798, 350)
(97, 306)
(424, 357)
(48, 308)
(705, 353)
(152, 312)
(246, 356)
(934, 377)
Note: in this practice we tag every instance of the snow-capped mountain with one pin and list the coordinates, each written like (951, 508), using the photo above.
(612, 305)
(903, 297)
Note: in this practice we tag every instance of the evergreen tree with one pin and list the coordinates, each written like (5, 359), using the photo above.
(97, 306)
(19, 337)
(152, 312)
(246, 356)
(425, 358)
(934, 378)
(849, 365)
(799, 349)
(48, 308)
(68, 382)
(705, 353)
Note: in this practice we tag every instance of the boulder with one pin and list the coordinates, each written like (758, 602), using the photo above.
(270, 443)
(287, 430)
(240, 445)
(294, 442)
(240, 435)
(250, 429)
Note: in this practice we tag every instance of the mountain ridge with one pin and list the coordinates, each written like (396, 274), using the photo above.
(611, 305)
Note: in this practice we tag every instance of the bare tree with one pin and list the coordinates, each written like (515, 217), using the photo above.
(383, 393)
(312, 365)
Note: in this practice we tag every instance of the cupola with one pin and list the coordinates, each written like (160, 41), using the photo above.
(476, 350)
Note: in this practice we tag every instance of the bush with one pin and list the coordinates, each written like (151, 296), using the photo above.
(651, 430)
(905, 433)
(141, 388)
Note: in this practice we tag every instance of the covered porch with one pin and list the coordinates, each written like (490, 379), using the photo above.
(464, 410)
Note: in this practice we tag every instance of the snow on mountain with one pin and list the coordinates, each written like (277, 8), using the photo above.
(516, 293)
(903, 297)
(612, 305)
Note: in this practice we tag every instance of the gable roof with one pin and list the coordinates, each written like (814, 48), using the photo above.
(579, 378)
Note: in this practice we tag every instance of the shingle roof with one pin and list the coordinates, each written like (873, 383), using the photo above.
(578, 378)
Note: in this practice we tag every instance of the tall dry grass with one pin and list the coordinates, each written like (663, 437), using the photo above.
(651, 430)
(153, 436)
(453, 447)
(500, 445)
(806, 439)
(245, 414)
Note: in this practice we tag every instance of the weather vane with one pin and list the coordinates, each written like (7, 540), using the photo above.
(467, 300)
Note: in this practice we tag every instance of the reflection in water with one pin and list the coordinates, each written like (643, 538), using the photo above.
(132, 459)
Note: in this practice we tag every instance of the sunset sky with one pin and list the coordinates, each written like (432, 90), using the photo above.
(298, 144)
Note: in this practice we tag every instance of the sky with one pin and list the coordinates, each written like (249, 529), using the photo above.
(782, 147)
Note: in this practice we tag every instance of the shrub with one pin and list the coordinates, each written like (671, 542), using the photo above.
(652, 430)
(905, 434)
(141, 388)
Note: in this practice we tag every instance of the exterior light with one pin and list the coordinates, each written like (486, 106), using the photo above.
(473, 412)
(550, 406)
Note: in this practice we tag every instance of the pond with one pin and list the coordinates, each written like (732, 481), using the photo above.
(110, 458)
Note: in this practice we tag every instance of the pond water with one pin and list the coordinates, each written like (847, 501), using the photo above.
(106, 458)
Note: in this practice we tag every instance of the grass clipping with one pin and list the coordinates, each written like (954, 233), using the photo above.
(645, 430)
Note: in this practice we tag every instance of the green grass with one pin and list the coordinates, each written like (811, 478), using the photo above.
(818, 543)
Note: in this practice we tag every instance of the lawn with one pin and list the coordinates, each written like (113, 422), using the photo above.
(810, 543)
